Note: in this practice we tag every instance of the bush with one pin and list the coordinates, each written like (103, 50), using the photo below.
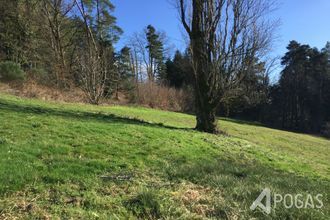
(163, 97)
(10, 71)
(40, 75)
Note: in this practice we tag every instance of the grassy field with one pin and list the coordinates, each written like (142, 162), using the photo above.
(99, 162)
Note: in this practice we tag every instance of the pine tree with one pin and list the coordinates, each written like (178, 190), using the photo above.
(155, 49)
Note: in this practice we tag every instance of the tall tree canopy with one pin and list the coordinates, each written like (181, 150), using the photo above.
(155, 48)
(179, 72)
(96, 62)
(150, 52)
(300, 101)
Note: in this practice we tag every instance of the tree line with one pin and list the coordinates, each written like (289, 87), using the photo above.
(298, 101)
(71, 43)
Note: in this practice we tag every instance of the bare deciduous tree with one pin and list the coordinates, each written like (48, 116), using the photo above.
(225, 38)
(140, 45)
(56, 11)
(95, 62)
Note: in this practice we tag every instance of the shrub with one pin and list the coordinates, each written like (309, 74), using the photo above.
(38, 74)
(10, 71)
(163, 97)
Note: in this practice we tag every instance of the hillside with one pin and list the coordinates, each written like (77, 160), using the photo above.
(83, 161)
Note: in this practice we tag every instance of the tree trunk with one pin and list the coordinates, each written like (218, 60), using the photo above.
(205, 103)
(205, 110)
(206, 119)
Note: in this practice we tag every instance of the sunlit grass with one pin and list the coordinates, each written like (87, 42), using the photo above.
(83, 161)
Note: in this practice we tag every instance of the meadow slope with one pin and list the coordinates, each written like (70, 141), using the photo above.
(113, 162)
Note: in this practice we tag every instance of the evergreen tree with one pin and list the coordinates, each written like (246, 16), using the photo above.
(300, 100)
(155, 49)
(179, 72)
(125, 77)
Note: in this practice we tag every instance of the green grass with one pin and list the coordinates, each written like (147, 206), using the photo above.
(99, 162)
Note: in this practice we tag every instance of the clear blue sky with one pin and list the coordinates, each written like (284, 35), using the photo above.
(135, 15)
(307, 21)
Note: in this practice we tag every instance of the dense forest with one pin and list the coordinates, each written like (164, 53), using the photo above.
(72, 44)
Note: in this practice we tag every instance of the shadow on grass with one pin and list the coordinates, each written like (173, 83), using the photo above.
(243, 122)
(240, 183)
(82, 115)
